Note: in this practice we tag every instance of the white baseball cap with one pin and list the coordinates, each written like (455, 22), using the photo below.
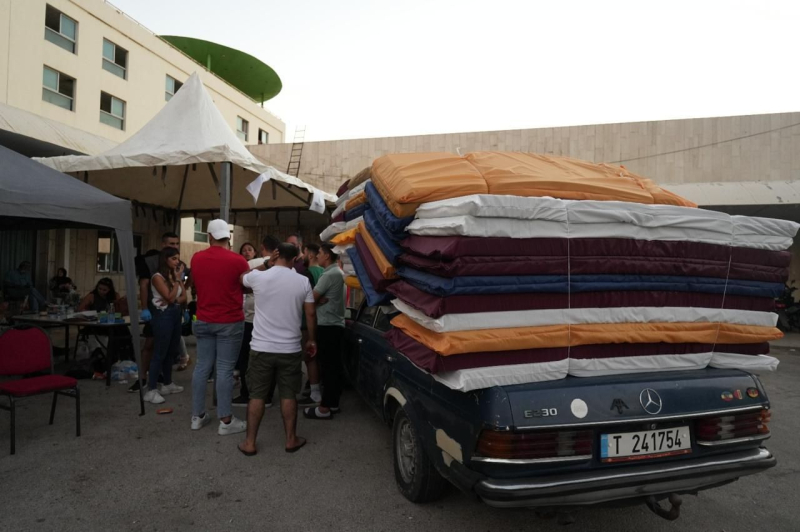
(218, 229)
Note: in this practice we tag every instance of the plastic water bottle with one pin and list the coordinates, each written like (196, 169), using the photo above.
(111, 314)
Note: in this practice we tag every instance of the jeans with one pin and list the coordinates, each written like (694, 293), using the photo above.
(218, 347)
(166, 343)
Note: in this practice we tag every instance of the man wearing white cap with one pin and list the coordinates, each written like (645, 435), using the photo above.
(219, 327)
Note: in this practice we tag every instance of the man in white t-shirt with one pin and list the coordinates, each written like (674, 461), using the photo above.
(281, 296)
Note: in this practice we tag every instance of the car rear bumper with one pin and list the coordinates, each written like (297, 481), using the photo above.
(639, 481)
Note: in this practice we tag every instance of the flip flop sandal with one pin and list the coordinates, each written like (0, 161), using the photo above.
(296, 447)
(250, 453)
(311, 413)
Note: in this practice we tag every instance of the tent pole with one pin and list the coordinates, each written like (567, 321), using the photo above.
(225, 191)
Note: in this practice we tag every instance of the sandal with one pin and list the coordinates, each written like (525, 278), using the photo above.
(296, 447)
(184, 365)
(253, 453)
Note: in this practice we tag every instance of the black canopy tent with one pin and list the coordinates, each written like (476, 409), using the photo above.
(33, 196)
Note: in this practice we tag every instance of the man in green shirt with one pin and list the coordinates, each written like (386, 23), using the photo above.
(312, 250)
(329, 295)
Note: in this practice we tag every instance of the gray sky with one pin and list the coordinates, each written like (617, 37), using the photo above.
(370, 68)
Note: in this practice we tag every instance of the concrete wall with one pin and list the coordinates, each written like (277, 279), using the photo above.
(701, 150)
(24, 52)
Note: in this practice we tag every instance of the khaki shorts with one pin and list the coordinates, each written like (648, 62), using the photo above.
(285, 368)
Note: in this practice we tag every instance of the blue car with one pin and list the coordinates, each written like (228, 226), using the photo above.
(576, 441)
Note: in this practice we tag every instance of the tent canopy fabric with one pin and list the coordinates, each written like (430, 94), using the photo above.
(175, 162)
(32, 191)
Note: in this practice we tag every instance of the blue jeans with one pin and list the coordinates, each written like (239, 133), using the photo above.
(166, 326)
(218, 347)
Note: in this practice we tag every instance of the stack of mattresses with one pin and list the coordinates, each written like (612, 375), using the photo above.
(511, 268)
(349, 213)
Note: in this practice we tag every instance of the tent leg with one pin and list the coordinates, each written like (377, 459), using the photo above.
(225, 191)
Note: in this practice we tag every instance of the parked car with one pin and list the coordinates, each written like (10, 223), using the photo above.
(575, 441)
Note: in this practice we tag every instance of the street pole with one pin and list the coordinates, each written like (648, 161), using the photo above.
(225, 191)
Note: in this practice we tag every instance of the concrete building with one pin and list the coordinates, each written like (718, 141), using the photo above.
(80, 76)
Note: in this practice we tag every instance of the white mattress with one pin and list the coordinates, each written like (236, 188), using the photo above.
(342, 251)
(465, 380)
(534, 318)
(744, 362)
(348, 269)
(353, 223)
(593, 367)
(339, 209)
(332, 230)
(518, 217)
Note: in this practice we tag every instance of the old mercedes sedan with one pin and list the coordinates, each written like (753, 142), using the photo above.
(577, 441)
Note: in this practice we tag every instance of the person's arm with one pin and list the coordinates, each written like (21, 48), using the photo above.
(182, 297)
(144, 288)
(86, 302)
(311, 323)
(160, 285)
(323, 285)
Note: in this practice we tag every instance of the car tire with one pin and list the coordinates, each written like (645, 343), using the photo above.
(416, 476)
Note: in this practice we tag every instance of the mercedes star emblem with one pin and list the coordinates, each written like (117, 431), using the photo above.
(650, 401)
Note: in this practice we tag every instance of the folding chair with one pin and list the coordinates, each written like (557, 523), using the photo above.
(25, 350)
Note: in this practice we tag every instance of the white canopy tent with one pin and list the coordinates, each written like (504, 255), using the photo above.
(188, 159)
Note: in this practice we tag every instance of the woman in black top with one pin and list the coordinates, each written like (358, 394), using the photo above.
(60, 284)
(101, 298)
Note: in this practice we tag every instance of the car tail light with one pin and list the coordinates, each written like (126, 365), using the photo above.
(732, 427)
(535, 445)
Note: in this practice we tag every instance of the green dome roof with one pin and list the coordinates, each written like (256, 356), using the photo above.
(248, 74)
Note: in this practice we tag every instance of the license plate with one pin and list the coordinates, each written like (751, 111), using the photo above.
(645, 444)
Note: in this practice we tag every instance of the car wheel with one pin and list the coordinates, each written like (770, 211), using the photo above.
(416, 475)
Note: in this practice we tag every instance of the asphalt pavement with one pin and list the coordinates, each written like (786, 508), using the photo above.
(153, 473)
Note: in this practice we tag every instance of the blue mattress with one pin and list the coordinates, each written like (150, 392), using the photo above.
(381, 237)
(355, 213)
(373, 297)
(395, 227)
(442, 286)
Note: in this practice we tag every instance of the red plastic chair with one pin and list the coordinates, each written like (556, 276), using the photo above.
(28, 350)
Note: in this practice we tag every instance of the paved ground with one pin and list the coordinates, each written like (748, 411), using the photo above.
(153, 474)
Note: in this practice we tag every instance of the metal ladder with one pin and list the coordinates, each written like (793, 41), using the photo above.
(297, 152)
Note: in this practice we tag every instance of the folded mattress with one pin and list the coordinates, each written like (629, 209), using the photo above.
(429, 360)
(355, 201)
(532, 318)
(390, 248)
(344, 238)
(373, 271)
(406, 180)
(351, 281)
(394, 225)
(356, 212)
(510, 339)
(372, 296)
(386, 268)
(466, 256)
(477, 285)
(437, 306)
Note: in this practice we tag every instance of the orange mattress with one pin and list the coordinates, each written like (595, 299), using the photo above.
(491, 340)
(355, 201)
(352, 282)
(405, 180)
(387, 269)
(345, 237)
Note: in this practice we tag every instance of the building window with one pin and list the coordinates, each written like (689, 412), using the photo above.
(263, 136)
(173, 86)
(58, 89)
(241, 128)
(200, 234)
(59, 29)
(115, 59)
(108, 257)
(112, 111)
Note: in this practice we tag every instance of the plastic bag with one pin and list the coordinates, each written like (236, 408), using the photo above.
(124, 370)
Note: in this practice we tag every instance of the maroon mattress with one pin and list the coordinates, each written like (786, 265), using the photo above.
(431, 361)
(437, 306)
(468, 256)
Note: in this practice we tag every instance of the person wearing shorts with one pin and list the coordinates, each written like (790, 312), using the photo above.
(282, 296)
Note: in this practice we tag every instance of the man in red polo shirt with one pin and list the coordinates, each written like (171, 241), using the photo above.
(219, 327)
